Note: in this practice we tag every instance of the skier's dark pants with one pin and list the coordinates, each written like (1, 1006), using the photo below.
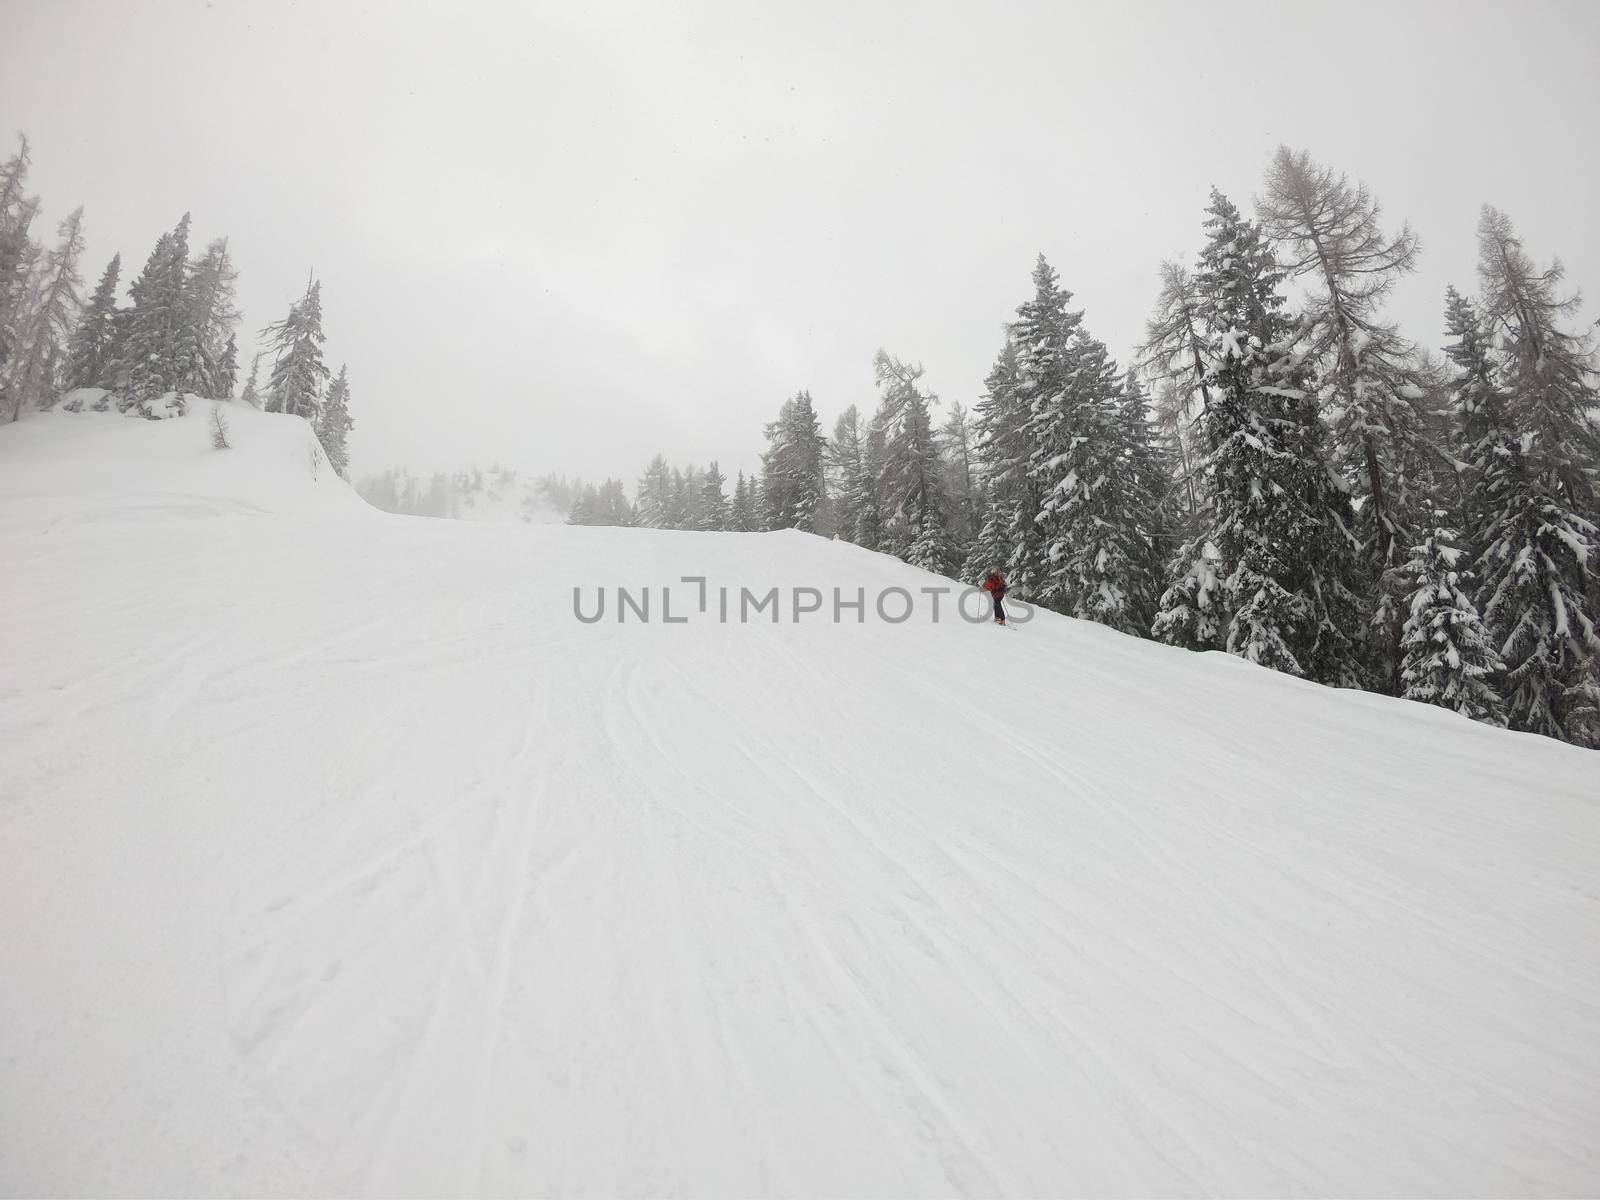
(999, 608)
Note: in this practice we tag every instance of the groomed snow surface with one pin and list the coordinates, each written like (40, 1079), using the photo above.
(337, 856)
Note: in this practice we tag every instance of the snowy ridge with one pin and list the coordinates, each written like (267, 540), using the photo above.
(340, 857)
(87, 466)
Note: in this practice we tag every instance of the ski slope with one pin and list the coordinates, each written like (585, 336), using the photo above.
(338, 857)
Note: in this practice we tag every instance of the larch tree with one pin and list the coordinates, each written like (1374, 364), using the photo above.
(1173, 357)
(1329, 232)
(47, 320)
(1174, 347)
(1538, 544)
(18, 253)
(1177, 438)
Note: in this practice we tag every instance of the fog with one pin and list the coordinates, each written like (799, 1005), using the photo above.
(567, 237)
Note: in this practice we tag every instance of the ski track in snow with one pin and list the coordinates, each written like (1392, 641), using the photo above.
(338, 857)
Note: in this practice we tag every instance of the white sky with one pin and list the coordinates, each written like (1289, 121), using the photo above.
(569, 236)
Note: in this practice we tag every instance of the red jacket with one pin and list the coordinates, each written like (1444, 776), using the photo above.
(996, 583)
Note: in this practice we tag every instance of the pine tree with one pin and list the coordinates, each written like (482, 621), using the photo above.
(94, 339)
(1097, 533)
(1032, 369)
(250, 395)
(46, 325)
(683, 507)
(653, 506)
(298, 371)
(1271, 574)
(848, 483)
(1447, 658)
(961, 494)
(694, 497)
(1539, 538)
(585, 508)
(1192, 612)
(213, 316)
(713, 505)
(912, 483)
(611, 506)
(160, 352)
(226, 374)
(333, 423)
(991, 551)
(792, 466)
(1151, 510)
(745, 514)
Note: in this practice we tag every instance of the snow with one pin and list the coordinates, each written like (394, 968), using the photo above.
(66, 467)
(338, 857)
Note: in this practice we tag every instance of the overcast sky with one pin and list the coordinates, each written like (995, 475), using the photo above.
(567, 236)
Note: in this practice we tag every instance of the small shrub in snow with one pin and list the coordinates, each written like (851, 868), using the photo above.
(219, 428)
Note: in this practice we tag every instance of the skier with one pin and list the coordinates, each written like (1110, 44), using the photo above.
(995, 585)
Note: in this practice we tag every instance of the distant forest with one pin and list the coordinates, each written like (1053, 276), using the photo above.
(498, 491)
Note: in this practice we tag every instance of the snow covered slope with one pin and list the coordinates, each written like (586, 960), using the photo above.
(91, 466)
(338, 856)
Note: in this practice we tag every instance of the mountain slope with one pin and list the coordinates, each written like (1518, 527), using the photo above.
(339, 856)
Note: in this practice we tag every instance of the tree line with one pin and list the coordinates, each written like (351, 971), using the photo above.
(498, 490)
(1280, 475)
(175, 337)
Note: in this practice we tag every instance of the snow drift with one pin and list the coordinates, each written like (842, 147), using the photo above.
(337, 856)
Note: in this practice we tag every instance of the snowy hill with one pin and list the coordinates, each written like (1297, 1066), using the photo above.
(90, 466)
(339, 856)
